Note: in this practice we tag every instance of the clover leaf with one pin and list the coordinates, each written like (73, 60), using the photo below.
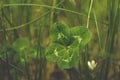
(66, 43)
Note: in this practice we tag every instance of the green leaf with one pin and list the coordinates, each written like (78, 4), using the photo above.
(53, 52)
(21, 44)
(82, 34)
(60, 34)
(71, 56)
(33, 51)
(66, 57)
(66, 44)
(19, 59)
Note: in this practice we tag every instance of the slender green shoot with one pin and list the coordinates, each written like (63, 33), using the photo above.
(89, 13)
(23, 25)
(46, 6)
(97, 29)
(52, 12)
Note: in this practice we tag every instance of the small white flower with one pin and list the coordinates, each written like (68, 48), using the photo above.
(92, 64)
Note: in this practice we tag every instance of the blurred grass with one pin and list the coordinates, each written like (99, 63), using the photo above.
(33, 19)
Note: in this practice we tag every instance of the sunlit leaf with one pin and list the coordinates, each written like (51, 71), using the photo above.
(82, 34)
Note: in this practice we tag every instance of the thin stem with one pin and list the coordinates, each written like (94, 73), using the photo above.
(89, 13)
(28, 14)
(52, 12)
(46, 6)
(26, 66)
(30, 22)
(97, 29)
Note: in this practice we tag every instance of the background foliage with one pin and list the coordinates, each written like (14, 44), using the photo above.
(54, 40)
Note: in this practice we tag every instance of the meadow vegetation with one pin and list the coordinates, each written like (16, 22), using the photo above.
(59, 40)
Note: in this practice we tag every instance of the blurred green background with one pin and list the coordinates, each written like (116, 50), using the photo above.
(25, 35)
